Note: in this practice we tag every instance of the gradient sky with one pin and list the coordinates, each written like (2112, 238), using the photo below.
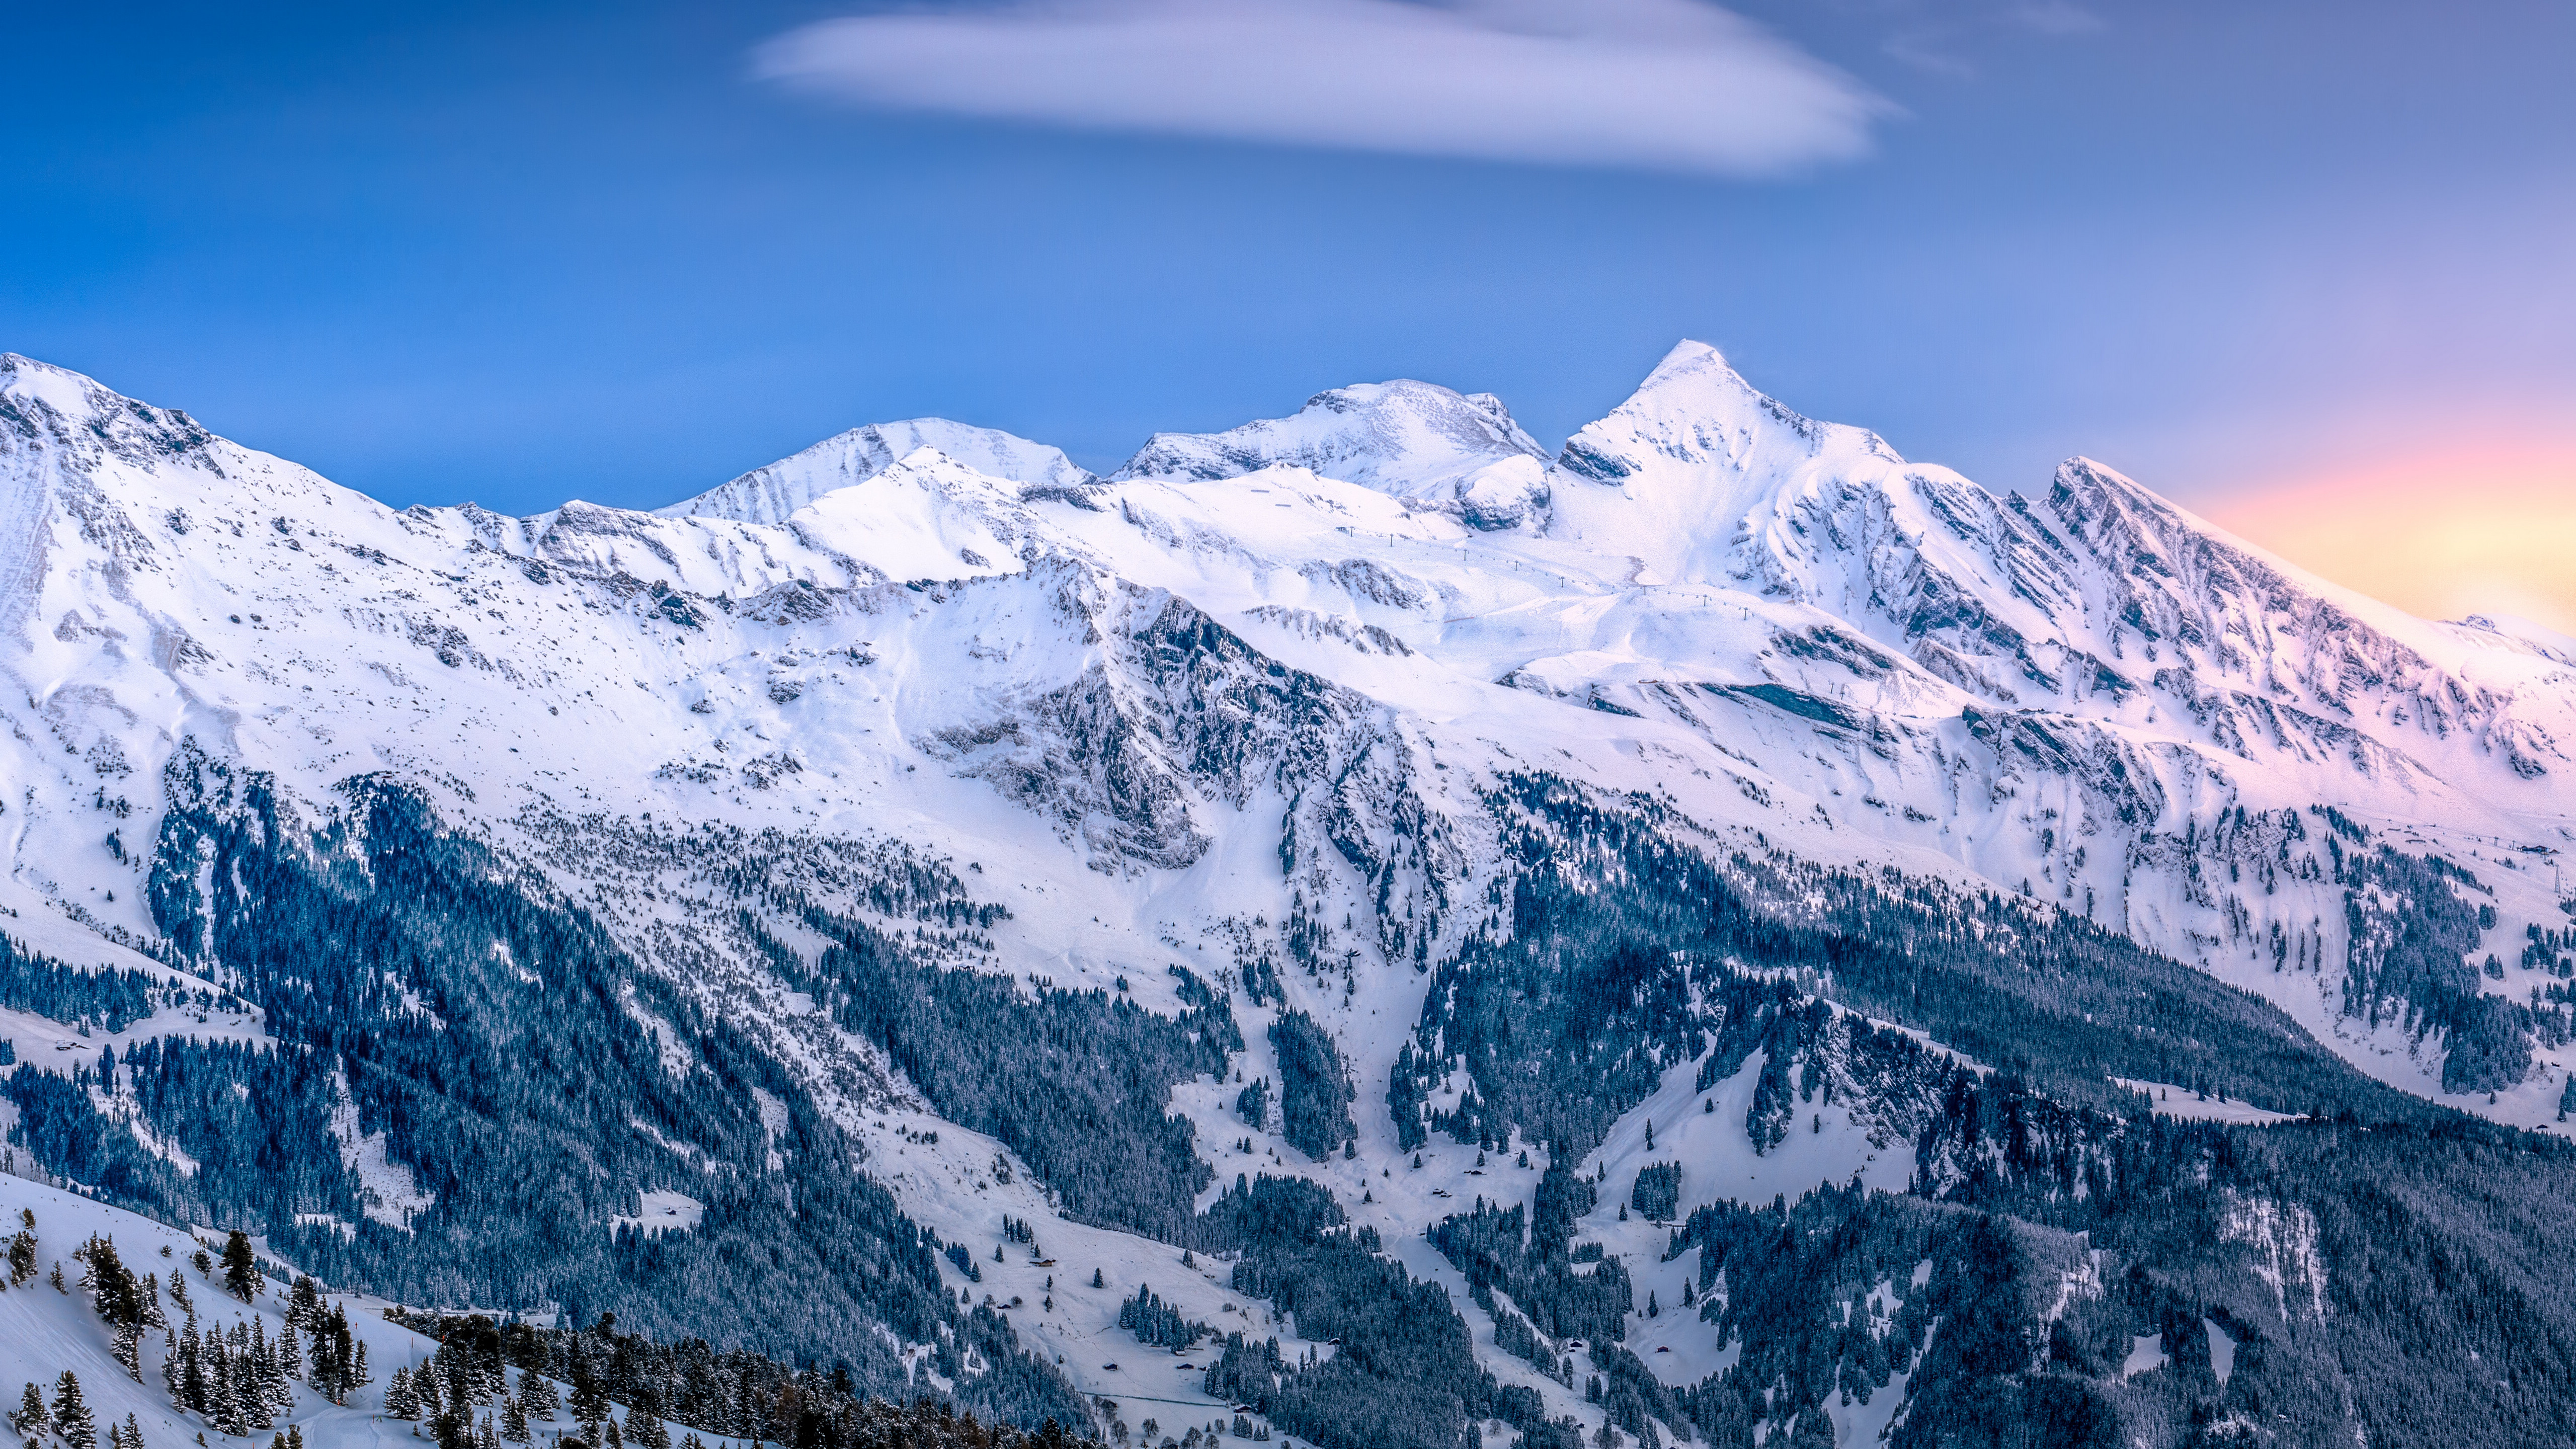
(2303, 265)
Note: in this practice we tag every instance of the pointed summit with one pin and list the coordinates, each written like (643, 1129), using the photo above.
(1695, 408)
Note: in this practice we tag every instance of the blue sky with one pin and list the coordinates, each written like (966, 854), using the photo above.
(523, 252)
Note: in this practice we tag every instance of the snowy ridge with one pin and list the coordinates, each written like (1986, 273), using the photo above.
(1460, 452)
(771, 494)
(1253, 699)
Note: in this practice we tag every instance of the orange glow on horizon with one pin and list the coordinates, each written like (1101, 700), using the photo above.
(2439, 538)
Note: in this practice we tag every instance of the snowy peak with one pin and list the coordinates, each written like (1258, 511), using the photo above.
(1696, 410)
(769, 495)
(1459, 452)
(41, 403)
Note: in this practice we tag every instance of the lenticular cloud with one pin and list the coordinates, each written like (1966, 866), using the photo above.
(1660, 84)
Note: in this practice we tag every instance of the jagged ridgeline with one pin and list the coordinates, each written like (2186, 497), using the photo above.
(735, 913)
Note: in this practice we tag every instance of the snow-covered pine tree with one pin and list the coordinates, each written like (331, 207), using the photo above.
(538, 1393)
(401, 1400)
(645, 1431)
(590, 1402)
(304, 1302)
(514, 1419)
(72, 1418)
(227, 1407)
(195, 1384)
(32, 1416)
(290, 1352)
(241, 1269)
(256, 1404)
(170, 1365)
(272, 1366)
(334, 1370)
(454, 1428)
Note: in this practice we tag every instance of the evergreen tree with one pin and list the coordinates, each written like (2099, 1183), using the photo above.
(538, 1393)
(401, 1402)
(71, 1416)
(290, 1353)
(644, 1431)
(514, 1419)
(231, 1411)
(590, 1402)
(196, 1385)
(22, 1254)
(127, 1346)
(32, 1414)
(241, 1270)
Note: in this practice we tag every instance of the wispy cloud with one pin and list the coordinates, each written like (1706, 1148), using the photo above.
(1675, 85)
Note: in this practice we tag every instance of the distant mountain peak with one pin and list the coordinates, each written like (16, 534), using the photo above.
(770, 494)
(1413, 440)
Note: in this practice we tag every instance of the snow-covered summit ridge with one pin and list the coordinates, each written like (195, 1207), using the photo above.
(770, 494)
(1461, 452)
(1781, 623)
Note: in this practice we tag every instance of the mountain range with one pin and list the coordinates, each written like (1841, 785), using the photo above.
(1355, 905)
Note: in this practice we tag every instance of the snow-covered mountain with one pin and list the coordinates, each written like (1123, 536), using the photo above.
(774, 494)
(922, 826)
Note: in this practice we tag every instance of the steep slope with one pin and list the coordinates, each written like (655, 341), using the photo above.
(929, 877)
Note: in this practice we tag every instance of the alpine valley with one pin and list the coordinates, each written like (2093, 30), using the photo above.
(1353, 931)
